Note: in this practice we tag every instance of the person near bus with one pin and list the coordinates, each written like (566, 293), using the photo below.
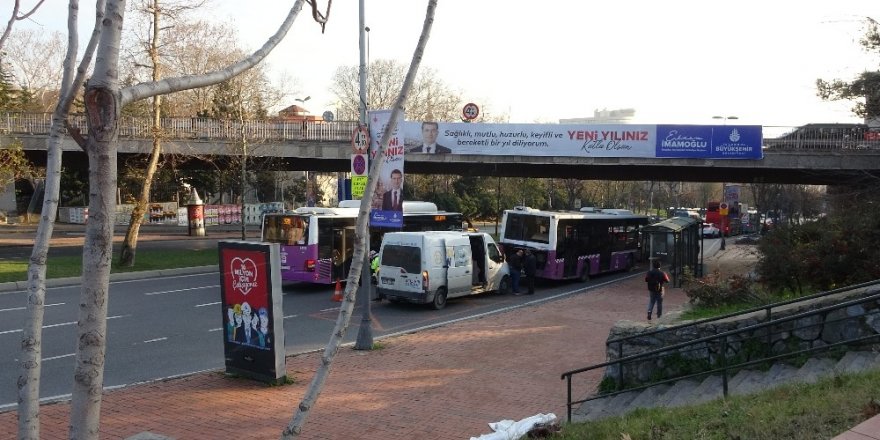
(530, 267)
(656, 278)
(514, 262)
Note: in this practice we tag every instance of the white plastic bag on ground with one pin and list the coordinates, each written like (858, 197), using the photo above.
(510, 430)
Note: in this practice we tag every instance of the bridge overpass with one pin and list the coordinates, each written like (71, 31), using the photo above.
(319, 146)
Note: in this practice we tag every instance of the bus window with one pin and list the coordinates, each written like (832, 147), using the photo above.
(294, 230)
(527, 227)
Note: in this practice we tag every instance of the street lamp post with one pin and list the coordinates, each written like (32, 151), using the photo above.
(365, 332)
(726, 118)
(724, 219)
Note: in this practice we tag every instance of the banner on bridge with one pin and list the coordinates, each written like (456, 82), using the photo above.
(590, 140)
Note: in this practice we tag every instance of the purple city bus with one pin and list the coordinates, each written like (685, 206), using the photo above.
(317, 243)
(574, 244)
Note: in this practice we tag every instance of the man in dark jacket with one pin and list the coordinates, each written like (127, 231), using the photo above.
(514, 262)
(656, 278)
(530, 267)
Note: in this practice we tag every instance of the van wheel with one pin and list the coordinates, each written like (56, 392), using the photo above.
(439, 299)
(504, 286)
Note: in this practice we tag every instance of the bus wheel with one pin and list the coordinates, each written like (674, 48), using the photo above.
(504, 286)
(439, 299)
(585, 275)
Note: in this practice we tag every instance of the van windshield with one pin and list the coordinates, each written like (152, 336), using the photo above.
(408, 258)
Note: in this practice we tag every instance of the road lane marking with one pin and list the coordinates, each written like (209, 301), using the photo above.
(58, 357)
(290, 316)
(208, 304)
(155, 340)
(162, 292)
(61, 324)
(215, 329)
(17, 309)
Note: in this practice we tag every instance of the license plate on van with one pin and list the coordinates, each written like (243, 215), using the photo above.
(386, 281)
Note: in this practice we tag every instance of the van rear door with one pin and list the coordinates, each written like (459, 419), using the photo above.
(401, 267)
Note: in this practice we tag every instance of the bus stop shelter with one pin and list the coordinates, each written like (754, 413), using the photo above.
(676, 243)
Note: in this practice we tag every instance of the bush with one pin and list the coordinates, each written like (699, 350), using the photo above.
(712, 290)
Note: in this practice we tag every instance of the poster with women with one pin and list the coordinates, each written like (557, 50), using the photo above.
(387, 199)
(253, 330)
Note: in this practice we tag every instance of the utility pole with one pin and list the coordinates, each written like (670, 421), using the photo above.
(365, 332)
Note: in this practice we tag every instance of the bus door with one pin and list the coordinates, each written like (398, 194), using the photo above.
(335, 247)
(567, 248)
(605, 231)
(343, 250)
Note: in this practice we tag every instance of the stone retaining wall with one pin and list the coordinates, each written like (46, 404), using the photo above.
(819, 330)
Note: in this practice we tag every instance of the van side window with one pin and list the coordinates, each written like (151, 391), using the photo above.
(462, 255)
(494, 254)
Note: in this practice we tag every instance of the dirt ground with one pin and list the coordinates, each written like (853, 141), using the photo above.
(735, 259)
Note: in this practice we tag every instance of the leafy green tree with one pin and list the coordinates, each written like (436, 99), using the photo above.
(839, 249)
(864, 90)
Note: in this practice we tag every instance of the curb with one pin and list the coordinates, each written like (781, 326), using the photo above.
(21, 286)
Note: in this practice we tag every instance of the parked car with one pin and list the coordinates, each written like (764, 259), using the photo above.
(710, 230)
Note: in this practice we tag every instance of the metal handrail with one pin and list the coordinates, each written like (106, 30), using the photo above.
(191, 128)
(723, 370)
(209, 128)
(655, 353)
(768, 308)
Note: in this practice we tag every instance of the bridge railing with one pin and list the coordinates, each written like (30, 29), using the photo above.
(191, 128)
(340, 131)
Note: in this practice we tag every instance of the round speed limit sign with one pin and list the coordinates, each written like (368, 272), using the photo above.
(470, 111)
(360, 139)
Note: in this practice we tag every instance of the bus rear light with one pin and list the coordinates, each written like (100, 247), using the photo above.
(310, 265)
(426, 281)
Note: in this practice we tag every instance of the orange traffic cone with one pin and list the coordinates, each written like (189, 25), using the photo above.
(337, 293)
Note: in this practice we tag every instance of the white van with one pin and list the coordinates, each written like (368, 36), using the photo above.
(429, 267)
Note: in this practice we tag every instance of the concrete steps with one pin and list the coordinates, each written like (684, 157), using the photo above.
(692, 392)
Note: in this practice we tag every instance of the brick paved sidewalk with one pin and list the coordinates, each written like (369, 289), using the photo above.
(444, 383)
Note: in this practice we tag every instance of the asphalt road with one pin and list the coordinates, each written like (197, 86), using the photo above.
(159, 328)
(165, 327)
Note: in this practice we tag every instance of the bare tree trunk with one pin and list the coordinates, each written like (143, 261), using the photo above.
(129, 245)
(103, 101)
(103, 109)
(31, 339)
(294, 428)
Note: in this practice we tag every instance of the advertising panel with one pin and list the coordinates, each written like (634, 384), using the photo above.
(253, 330)
(387, 200)
(585, 140)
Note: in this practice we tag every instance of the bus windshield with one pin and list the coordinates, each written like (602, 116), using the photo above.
(527, 227)
(286, 229)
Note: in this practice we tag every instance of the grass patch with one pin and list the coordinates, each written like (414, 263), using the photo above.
(71, 266)
(818, 411)
(701, 312)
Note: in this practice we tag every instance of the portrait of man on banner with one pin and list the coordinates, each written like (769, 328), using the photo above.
(387, 200)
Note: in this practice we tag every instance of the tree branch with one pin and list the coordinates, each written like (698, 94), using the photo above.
(75, 134)
(169, 85)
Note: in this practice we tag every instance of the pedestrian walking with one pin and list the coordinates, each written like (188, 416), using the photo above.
(514, 262)
(656, 278)
(530, 267)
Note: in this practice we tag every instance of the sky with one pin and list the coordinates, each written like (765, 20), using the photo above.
(680, 61)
